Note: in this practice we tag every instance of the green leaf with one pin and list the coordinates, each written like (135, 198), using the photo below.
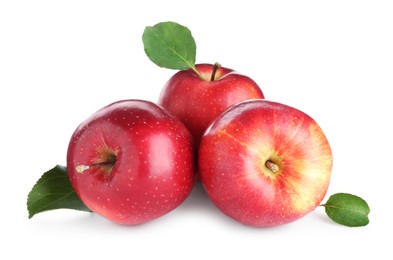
(170, 45)
(347, 209)
(53, 191)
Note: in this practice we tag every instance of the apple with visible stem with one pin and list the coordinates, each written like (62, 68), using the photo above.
(199, 94)
(131, 162)
(264, 163)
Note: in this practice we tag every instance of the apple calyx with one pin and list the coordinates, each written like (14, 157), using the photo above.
(272, 166)
(216, 66)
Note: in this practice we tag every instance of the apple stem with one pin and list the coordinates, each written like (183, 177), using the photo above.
(272, 166)
(216, 66)
(110, 162)
(81, 168)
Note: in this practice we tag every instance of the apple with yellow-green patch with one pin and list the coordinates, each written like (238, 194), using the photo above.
(264, 163)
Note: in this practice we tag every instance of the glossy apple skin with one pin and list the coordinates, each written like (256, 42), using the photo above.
(154, 168)
(197, 102)
(233, 155)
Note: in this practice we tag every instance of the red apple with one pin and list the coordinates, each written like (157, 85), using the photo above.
(131, 162)
(264, 163)
(197, 102)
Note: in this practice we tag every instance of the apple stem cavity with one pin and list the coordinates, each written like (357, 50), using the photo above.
(216, 66)
(272, 166)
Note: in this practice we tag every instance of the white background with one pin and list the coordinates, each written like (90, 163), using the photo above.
(60, 61)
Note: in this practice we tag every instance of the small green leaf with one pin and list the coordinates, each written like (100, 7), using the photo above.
(347, 209)
(170, 45)
(53, 191)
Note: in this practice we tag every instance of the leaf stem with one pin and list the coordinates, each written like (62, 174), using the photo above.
(197, 72)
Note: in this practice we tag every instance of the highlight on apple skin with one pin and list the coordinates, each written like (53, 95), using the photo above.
(264, 163)
(198, 101)
(131, 162)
